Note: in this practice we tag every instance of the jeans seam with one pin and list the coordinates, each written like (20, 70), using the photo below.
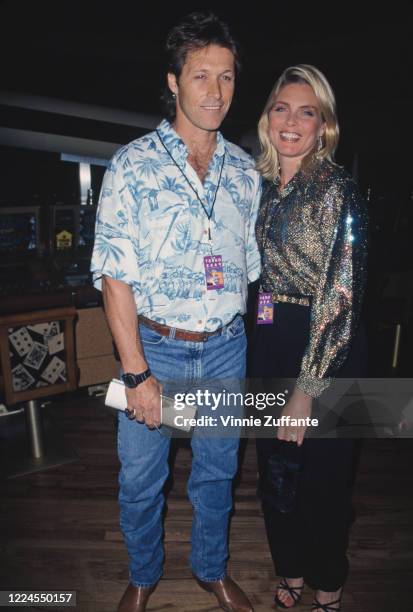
(201, 547)
(220, 577)
(144, 584)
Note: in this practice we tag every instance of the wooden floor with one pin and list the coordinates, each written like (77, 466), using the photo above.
(60, 529)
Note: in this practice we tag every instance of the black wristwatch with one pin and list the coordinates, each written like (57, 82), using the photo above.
(133, 380)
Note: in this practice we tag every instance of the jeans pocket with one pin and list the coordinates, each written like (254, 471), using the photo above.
(236, 328)
(150, 336)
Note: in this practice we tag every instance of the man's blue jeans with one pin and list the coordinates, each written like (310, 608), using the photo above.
(143, 454)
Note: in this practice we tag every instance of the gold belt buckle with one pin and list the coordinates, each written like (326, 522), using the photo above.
(290, 299)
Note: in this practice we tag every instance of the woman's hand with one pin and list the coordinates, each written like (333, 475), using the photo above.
(299, 406)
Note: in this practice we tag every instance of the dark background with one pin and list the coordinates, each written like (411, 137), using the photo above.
(111, 54)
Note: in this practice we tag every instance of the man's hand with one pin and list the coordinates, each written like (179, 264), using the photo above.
(144, 402)
(299, 406)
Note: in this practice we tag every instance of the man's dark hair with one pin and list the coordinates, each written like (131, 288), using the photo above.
(195, 31)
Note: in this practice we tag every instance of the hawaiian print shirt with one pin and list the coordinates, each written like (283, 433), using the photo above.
(152, 231)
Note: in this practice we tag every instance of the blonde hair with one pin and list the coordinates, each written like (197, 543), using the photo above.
(267, 162)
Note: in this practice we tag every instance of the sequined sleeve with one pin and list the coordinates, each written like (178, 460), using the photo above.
(337, 299)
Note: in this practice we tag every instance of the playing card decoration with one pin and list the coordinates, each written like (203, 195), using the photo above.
(37, 354)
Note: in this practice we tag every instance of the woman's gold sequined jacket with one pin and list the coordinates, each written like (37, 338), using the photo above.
(313, 242)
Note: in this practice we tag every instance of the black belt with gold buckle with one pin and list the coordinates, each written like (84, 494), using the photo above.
(291, 299)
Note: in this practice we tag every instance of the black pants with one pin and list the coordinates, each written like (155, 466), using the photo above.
(310, 541)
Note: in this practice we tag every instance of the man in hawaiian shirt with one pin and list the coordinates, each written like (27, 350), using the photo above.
(175, 205)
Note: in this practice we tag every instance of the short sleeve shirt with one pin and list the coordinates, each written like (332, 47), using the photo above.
(152, 231)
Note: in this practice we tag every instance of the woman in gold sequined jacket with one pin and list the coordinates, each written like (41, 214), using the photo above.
(312, 233)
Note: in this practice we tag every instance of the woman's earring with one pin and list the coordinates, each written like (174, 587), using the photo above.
(319, 144)
(174, 96)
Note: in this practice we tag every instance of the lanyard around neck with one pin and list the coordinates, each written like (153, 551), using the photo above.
(208, 214)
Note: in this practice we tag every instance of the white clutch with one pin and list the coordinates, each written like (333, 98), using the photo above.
(116, 398)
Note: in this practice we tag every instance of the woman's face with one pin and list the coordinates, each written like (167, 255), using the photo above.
(295, 122)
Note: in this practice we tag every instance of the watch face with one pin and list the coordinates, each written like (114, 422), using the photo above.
(129, 380)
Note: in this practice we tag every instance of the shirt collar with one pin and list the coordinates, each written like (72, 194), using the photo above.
(178, 148)
(301, 179)
(290, 186)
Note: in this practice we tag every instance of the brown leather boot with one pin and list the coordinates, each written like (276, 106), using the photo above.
(230, 596)
(135, 599)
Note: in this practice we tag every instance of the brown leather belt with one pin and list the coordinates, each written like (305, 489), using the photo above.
(181, 334)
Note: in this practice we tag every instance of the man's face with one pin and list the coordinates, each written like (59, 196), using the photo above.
(205, 88)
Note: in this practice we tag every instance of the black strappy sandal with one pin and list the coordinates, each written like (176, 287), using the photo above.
(326, 607)
(294, 592)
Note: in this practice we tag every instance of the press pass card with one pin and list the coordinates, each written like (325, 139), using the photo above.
(214, 272)
(265, 313)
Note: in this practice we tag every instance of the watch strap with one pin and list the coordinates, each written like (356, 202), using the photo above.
(132, 380)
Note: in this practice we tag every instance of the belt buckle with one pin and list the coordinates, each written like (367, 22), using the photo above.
(206, 335)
